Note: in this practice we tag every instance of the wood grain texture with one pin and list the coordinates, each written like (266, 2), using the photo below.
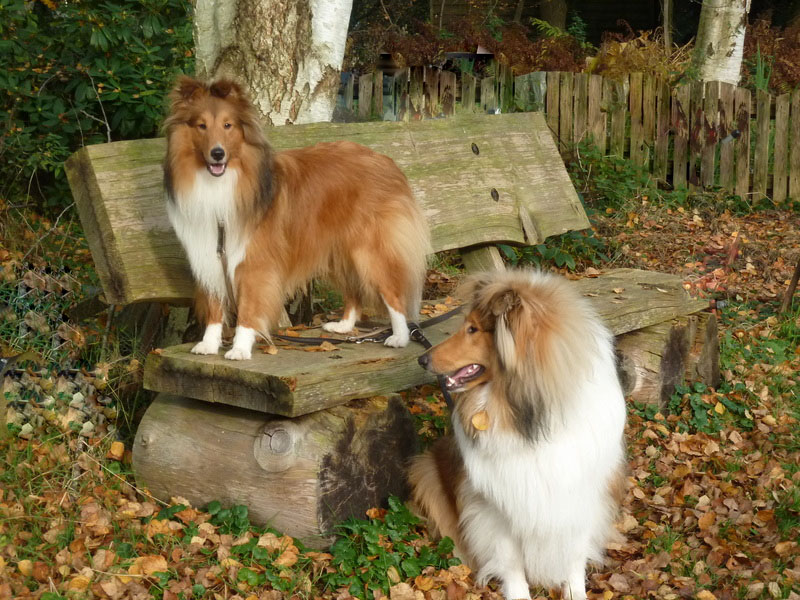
(742, 144)
(565, 107)
(761, 156)
(727, 175)
(680, 129)
(619, 111)
(296, 382)
(655, 359)
(780, 176)
(662, 133)
(597, 113)
(301, 476)
(552, 102)
(794, 148)
(119, 194)
(709, 133)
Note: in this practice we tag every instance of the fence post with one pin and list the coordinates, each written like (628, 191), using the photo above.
(489, 94)
(637, 130)
(365, 86)
(596, 114)
(565, 111)
(761, 157)
(552, 104)
(794, 148)
(648, 118)
(742, 108)
(580, 90)
(661, 147)
(696, 128)
(416, 96)
(781, 148)
(618, 112)
(468, 92)
(727, 175)
(709, 133)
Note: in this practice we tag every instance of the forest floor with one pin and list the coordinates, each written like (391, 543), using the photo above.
(712, 508)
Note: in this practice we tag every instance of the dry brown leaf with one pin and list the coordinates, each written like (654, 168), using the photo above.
(117, 451)
(706, 521)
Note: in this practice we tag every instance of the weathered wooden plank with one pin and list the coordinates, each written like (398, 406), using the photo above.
(727, 175)
(294, 382)
(468, 83)
(377, 94)
(637, 129)
(349, 88)
(648, 118)
(761, 157)
(365, 89)
(779, 181)
(596, 114)
(565, 109)
(489, 95)
(119, 194)
(709, 133)
(447, 86)
(580, 94)
(333, 464)
(505, 88)
(661, 147)
(416, 95)
(401, 92)
(742, 108)
(432, 98)
(794, 148)
(680, 129)
(696, 128)
(619, 103)
(552, 103)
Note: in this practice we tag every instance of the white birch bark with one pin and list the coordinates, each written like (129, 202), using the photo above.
(288, 53)
(720, 40)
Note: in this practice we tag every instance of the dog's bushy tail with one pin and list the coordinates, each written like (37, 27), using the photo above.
(409, 240)
(434, 478)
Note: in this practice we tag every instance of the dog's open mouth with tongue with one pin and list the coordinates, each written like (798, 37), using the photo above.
(216, 169)
(458, 379)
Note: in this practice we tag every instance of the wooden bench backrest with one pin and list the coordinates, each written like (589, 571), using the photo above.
(453, 166)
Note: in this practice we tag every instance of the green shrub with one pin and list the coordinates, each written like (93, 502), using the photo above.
(81, 72)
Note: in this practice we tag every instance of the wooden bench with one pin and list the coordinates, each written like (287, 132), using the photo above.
(306, 439)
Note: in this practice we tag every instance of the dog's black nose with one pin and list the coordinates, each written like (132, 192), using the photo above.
(217, 153)
(424, 361)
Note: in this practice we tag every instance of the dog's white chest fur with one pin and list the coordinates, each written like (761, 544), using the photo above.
(196, 215)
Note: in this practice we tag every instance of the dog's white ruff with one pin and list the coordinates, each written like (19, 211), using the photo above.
(195, 216)
(538, 511)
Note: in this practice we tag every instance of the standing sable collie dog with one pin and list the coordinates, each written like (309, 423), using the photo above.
(528, 484)
(335, 210)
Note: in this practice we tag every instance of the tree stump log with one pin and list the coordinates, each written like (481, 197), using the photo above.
(655, 359)
(301, 476)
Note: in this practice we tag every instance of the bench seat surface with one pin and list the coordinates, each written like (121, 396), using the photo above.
(295, 382)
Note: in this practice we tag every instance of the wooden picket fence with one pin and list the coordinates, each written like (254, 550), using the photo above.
(698, 135)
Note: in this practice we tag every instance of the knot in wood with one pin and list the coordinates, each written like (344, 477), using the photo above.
(274, 448)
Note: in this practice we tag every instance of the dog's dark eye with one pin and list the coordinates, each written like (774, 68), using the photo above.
(228, 125)
(472, 329)
(201, 125)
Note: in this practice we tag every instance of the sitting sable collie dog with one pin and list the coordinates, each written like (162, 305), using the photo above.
(528, 484)
(336, 210)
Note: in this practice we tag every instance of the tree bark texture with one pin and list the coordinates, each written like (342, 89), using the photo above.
(287, 53)
(720, 40)
(554, 12)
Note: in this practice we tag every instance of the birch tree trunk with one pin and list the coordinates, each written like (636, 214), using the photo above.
(288, 53)
(720, 40)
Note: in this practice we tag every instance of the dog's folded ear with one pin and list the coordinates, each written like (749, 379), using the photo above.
(228, 88)
(503, 302)
(186, 88)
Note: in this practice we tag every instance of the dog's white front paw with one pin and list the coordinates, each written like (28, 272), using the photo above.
(205, 347)
(397, 340)
(343, 326)
(238, 354)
